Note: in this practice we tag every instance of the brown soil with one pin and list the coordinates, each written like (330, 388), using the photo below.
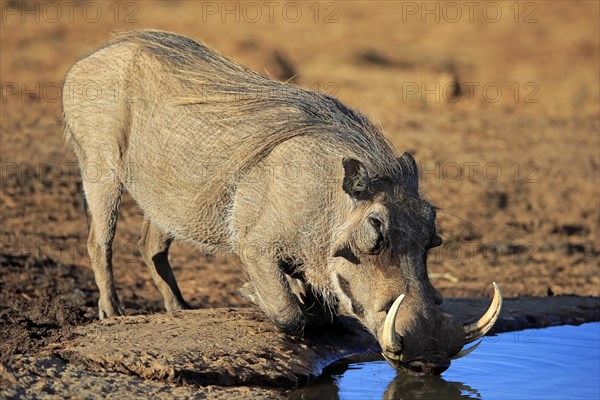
(249, 350)
(228, 352)
(517, 179)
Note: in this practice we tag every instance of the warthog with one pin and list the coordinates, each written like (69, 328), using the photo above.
(306, 191)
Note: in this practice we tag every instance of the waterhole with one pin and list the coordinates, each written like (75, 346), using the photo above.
(553, 363)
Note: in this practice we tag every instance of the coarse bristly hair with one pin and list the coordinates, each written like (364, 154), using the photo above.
(191, 146)
(279, 111)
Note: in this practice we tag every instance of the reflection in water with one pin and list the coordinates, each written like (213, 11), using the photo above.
(405, 387)
(325, 387)
(402, 387)
(529, 364)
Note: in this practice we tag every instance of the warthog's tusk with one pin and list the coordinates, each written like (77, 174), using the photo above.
(391, 345)
(465, 352)
(478, 329)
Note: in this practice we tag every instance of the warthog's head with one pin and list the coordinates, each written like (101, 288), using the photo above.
(378, 270)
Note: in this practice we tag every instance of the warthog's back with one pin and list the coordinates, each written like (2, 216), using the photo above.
(179, 125)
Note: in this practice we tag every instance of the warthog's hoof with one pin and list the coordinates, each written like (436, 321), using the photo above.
(112, 309)
(294, 327)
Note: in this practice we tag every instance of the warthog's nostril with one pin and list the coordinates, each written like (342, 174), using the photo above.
(424, 367)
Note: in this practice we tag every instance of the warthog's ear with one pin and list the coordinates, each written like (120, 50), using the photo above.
(356, 178)
(409, 172)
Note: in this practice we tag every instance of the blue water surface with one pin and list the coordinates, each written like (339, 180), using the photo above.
(553, 363)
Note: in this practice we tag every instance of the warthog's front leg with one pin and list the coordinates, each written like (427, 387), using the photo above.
(270, 290)
(317, 313)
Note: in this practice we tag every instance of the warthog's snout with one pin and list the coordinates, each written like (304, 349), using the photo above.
(429, 366)
(405, 350)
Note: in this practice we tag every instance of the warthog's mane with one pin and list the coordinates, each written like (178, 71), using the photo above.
(270, 111)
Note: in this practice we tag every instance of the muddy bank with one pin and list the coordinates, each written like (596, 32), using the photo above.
(229, 346)
(224, 346)
(529, 312)
(49, 377)
(227, 352)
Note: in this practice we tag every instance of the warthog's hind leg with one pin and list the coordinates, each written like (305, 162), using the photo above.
(154, 246)
(103, 197)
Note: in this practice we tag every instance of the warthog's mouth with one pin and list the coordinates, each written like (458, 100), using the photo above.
(430, 366)
(392, 342)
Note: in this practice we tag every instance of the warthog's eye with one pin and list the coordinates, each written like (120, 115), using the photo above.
(376, 223)
(380, 242)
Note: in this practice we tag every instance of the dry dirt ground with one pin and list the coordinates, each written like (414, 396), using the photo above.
(499, 103)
